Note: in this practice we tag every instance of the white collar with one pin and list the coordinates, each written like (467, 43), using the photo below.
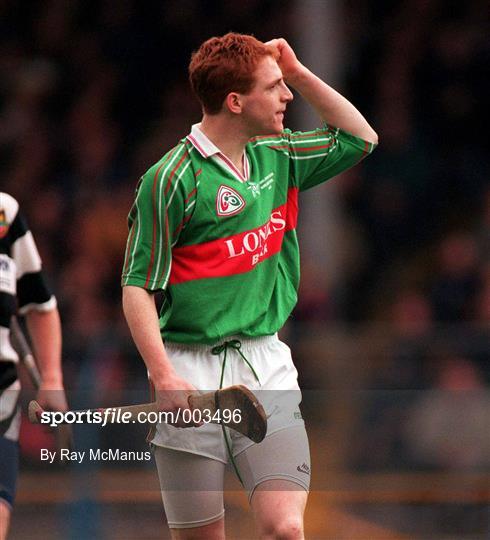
(202, 143)
(207, 148)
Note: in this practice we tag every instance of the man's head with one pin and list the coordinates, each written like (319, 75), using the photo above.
(225, 64)
(239, 75)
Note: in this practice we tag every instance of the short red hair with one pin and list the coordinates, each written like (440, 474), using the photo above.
(225, 64)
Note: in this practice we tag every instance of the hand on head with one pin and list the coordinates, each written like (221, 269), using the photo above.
(285, 57)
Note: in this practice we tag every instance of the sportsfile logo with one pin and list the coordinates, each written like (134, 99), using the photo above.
(114, 415)
(228, 201)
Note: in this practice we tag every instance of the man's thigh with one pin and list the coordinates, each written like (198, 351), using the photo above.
(282, 456)
(191, 486)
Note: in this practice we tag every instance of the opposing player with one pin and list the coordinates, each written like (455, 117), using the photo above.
(213, 226)
(23, 290)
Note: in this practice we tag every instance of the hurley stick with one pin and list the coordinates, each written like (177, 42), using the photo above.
(235, 407)
(64, 434)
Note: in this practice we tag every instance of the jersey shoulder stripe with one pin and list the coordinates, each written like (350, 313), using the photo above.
(296, 141)
(155, 211)
(180, 187)
(179, 165)
(165, 199)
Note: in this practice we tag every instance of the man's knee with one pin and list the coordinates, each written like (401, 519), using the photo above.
(212, 531)
(290, 528)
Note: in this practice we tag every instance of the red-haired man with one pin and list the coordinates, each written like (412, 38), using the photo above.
(214, 227)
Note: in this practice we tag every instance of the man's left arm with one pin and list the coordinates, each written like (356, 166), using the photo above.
(331, 106)
(45, 331)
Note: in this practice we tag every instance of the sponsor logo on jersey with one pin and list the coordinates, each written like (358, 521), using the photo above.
(254, 188)
(257, 188)
(4, 263)
(8, 280)
(267, 181)
(255, 242)
(228, 201)
(4, 226)
(238, 253)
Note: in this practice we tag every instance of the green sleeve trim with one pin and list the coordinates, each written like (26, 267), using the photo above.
(140, 282)
(363, 145)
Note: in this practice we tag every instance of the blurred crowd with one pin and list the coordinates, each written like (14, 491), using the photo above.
(421, 208)
(93, 92)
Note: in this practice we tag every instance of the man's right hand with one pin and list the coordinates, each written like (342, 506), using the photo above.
(173, 394)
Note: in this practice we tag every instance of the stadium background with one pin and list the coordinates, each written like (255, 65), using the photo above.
(391, 344)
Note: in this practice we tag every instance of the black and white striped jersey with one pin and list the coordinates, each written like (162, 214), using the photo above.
(22, 285)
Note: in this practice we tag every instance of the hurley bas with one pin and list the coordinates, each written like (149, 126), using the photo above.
(64, 454)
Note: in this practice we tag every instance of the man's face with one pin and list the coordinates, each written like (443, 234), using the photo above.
(263, 108)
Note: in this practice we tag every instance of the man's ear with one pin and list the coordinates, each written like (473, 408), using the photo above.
(234, 103)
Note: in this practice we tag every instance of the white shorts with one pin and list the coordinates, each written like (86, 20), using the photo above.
(277, 389)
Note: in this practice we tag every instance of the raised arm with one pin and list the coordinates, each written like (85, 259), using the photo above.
(332, 107)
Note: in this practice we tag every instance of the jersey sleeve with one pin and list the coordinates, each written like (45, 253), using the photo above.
(163, 206)
(31, 288)
(316, 156)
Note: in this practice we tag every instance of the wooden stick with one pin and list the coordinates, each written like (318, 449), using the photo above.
(64, 433)
(235, 407)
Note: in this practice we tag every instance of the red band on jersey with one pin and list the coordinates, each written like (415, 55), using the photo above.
(235, 254)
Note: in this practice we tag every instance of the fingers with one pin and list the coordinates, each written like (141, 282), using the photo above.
(173, 399)
(272, 43)
(175, 405)
(277, 43)
(274, 46)
(52, 400)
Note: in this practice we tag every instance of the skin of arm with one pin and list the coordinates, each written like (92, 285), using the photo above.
(45, 332)
(139, 308)
(332, 107)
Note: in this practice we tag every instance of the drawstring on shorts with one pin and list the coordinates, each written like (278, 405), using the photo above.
(236, 345)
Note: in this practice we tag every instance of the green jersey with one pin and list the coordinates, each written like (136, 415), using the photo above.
(221, 243)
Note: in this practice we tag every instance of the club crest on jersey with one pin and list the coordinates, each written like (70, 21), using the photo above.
(4, 226)
(228, 201)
